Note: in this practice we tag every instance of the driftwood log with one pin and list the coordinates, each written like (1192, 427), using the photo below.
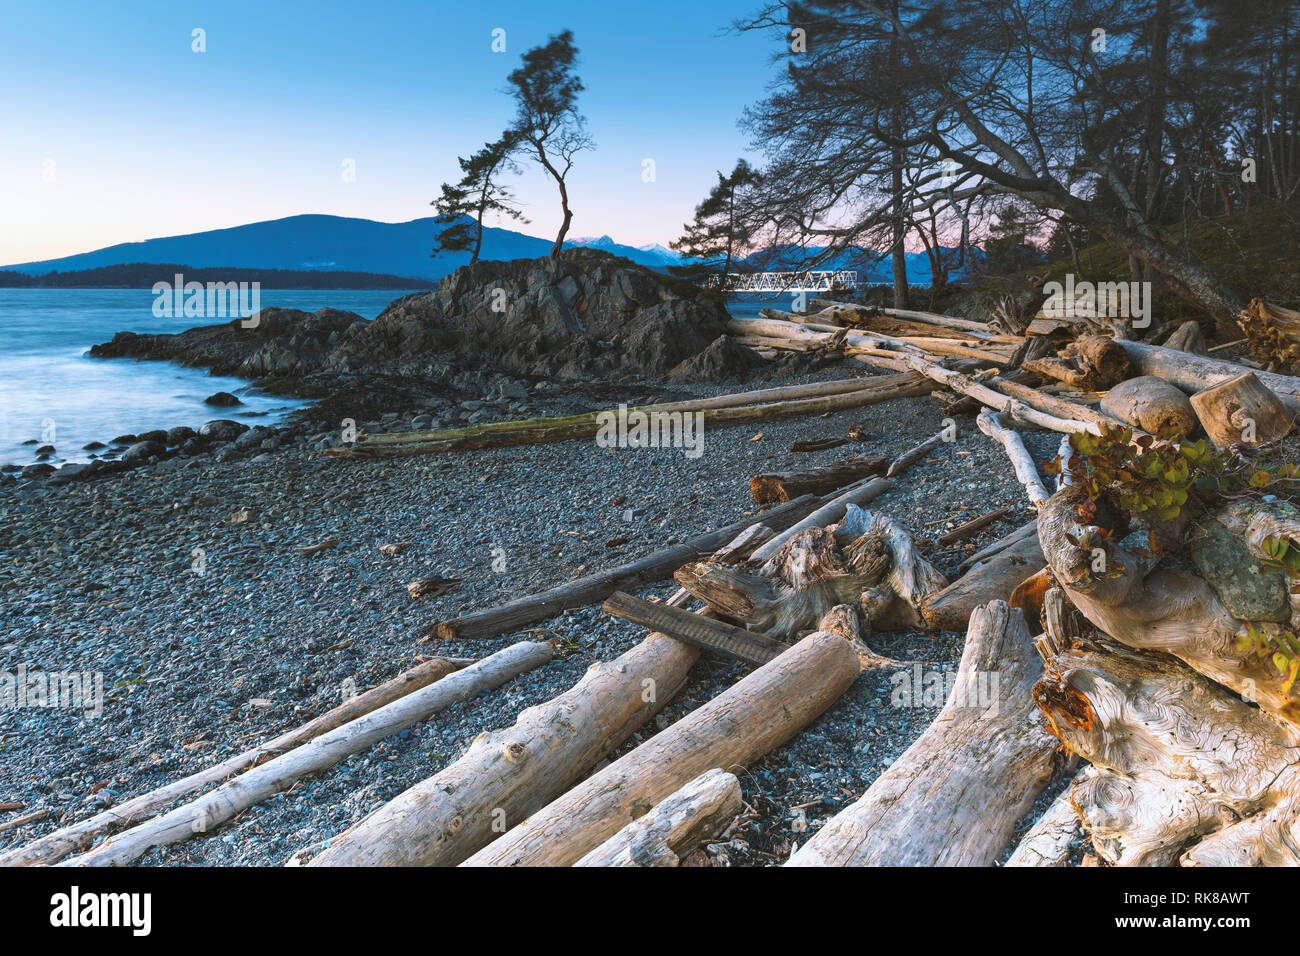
(253, 786)
(521, 612)
(507, 774)
(787, 485)
(955, 796)
(1048, 841)
(675, 826)
(995, 577)
(78, 836)
(1151, 404)
(1089, 362)
(756, 715)
(1241, 411)
(1026, 471)
(829, 513)
(1192, 373)
(1195, 614)
(1182, 769)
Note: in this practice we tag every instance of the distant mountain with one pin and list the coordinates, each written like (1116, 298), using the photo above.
(333, 243)
(873, 268)
(337, 244)
(143, 275)
(653, 255)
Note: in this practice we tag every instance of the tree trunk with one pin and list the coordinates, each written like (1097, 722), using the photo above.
(1048, 841)
(675, 826)
(955, 796)
(756, 715)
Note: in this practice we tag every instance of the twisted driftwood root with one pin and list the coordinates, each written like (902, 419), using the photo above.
(1183, 771)
(1197, 612)
(867, 561)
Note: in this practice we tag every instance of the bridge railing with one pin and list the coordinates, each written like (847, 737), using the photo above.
(824, 280)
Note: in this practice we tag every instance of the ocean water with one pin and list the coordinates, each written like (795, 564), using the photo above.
(53, 391)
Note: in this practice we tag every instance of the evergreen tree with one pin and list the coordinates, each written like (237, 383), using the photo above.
(718, 232)
(463, 205)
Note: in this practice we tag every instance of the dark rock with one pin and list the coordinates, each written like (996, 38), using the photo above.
(157, 435)
(94, 446)
(46, 450)
(222, 429)
(124, 440)
(38, 470)
(179, 435)
(142, 451)
(223, 399)
(725, 358)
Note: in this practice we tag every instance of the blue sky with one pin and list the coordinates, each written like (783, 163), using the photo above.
(112, 129)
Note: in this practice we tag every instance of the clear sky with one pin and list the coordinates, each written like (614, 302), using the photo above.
(113, 129)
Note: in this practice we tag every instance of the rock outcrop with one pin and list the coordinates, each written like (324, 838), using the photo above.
(586, 314)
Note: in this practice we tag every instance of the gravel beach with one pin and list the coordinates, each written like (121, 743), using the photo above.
(178, 582)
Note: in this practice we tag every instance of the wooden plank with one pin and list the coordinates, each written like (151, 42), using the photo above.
(752, 647)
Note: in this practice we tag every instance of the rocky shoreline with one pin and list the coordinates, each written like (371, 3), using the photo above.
(100, 576)
(182, 582)
(495, 340)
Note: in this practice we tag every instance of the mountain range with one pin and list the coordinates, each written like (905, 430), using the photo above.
(337, 243)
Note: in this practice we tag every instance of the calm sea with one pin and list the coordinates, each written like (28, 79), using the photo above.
(51, 388)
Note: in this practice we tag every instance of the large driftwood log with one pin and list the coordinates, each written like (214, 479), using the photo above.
(881, 388)
(1151, 404)
(77, 836)
(953, 799)
(756, 715)
(1241, 411)
(865, 560)
(787, 485)
(1182, 769)
(507, 774)
(521, 612)
(994, 578)
(675, 826)
(1197, 617)
(253, 786)
(1192, 373)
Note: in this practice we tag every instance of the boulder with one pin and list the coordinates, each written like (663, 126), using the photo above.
(222, 399)
(222, 429)
(38, 470)
(142, 451)
(179, 435)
